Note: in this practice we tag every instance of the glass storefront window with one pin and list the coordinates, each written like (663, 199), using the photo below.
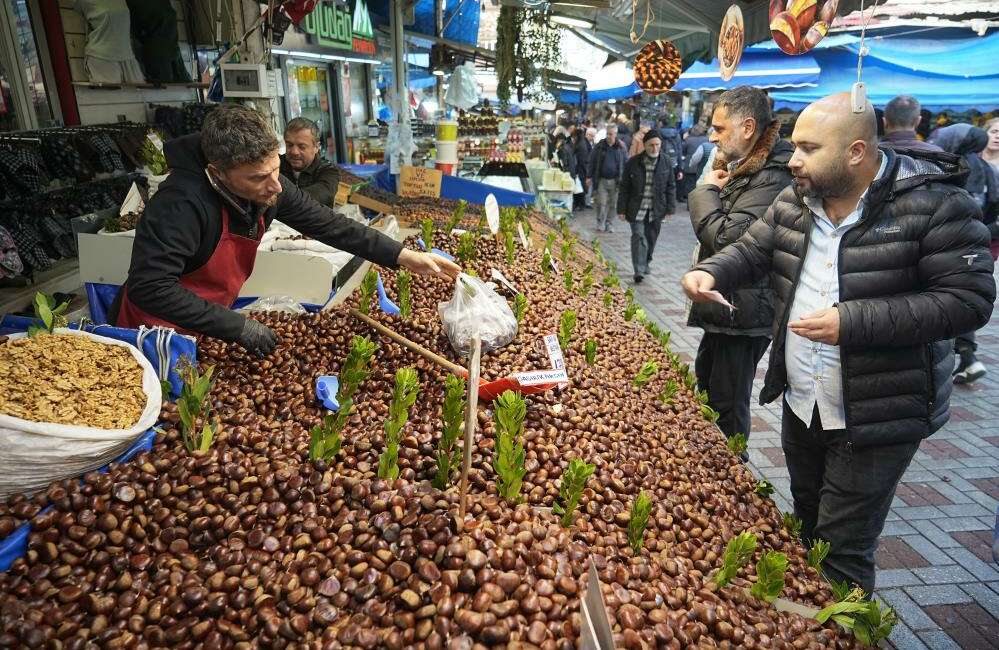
(24, 58)
(308, 96)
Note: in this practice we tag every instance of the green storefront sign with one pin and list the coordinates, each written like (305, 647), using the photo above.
(335, 26)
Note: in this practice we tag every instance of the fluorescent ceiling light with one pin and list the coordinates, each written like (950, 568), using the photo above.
(324, 57)
(569, 21)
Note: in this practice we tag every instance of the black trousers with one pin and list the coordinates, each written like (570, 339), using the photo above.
(725, 367)
(841, 494)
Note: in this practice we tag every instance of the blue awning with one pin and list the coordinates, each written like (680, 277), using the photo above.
(760, 69)
(942, 71)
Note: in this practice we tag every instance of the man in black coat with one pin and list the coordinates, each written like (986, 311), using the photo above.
(302, 164)
(647, 194)
(878, 261)
(750, 170)
(197, 240)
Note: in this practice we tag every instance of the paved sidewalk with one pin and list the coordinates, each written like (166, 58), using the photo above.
(934, 563)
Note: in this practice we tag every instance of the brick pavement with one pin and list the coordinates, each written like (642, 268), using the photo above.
(934, 564)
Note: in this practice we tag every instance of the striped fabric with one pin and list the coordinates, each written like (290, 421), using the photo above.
(650, 165)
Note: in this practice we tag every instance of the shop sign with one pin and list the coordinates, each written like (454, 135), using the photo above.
(419, 181)
(337, 26)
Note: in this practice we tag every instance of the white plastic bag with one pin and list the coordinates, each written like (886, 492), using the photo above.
(33, 454)
(463, 91)
(476, 309)
(274, 303)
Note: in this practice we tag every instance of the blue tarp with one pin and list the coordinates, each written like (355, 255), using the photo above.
(456, 188)
(942, 71)
(622, 92)
(760, 69)
(461, 18)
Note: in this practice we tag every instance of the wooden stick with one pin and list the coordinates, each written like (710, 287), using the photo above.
(410, 345)
(471, 419)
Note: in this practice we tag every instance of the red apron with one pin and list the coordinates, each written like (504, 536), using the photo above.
(219, 280)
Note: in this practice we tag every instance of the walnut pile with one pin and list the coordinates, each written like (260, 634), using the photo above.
(66, 379)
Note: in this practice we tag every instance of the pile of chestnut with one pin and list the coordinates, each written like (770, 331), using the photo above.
(252, 544)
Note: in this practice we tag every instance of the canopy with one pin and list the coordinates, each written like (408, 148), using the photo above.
(461, 18)
(692, 25)
(763, 69)
(941, 70)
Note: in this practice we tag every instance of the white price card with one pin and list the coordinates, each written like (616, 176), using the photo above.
(492, 213)
(155, 139)
(499, 277)
(524, 241)
(542, 377)
(555, 357)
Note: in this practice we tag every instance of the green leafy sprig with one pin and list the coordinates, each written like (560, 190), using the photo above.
(738, 552)
(194, 407)
(571, 489)
(566, 325)
(509, 415)
(641, 508)
(404, 280)
(520, 304)
(448, 453)
(407, 387)
(645, 374)
(818, 553)
(51, 315)
(770, 572)
(590, 350)
(368, 287)
(427, 233)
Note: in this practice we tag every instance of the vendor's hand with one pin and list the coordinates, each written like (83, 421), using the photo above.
(428, 264)
(257, 338)
(696, 284)
(718, 178)
(821, 326)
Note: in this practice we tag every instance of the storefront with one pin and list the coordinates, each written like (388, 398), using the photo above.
(327, 65)
(25, 101)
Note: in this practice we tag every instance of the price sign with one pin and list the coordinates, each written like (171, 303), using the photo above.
(492, 214)
(342, 194)
(523, 236)
(419, 181)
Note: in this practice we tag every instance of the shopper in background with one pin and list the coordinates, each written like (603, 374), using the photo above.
(581, 149)
(982, 183)
(750, 170)
(696, 147)
(646, 197)
(197, 241)
(624, 131)
(877, 262)
(565, 154)
(672, 144)
(901, 118)
(301, 162)
(991, 152)
(591, 138)
(606, 167)
(638, 142)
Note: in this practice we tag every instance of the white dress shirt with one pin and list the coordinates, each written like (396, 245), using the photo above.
(814, 376)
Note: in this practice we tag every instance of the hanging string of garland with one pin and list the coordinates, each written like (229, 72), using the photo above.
(528, 48)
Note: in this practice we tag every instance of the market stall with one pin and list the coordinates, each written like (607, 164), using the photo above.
(301, 524)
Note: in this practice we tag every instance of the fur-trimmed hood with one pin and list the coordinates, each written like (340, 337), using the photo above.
(769, 148)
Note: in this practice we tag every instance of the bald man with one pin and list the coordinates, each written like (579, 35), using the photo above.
(878, 261)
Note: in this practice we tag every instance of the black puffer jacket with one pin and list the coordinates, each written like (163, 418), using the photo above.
(720, 217)
(914, 273)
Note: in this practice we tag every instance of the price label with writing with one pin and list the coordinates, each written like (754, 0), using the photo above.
(419, 181)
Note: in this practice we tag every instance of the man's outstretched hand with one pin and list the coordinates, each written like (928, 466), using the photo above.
(428, 264)
(821, 326)
(698, 285)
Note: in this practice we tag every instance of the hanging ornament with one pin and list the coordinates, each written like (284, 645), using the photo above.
(797, 26)
(731, 39)
(657, 67)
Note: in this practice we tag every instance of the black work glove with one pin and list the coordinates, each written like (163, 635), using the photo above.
(257, 338)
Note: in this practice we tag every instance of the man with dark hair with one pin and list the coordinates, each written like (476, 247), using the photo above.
(606, 167)
(901, 118)
(878, 260)
(197, 240)
(749, 171)
(302, 163)
(646, 197)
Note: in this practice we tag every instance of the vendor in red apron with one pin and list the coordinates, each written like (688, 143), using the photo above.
(197, 240)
